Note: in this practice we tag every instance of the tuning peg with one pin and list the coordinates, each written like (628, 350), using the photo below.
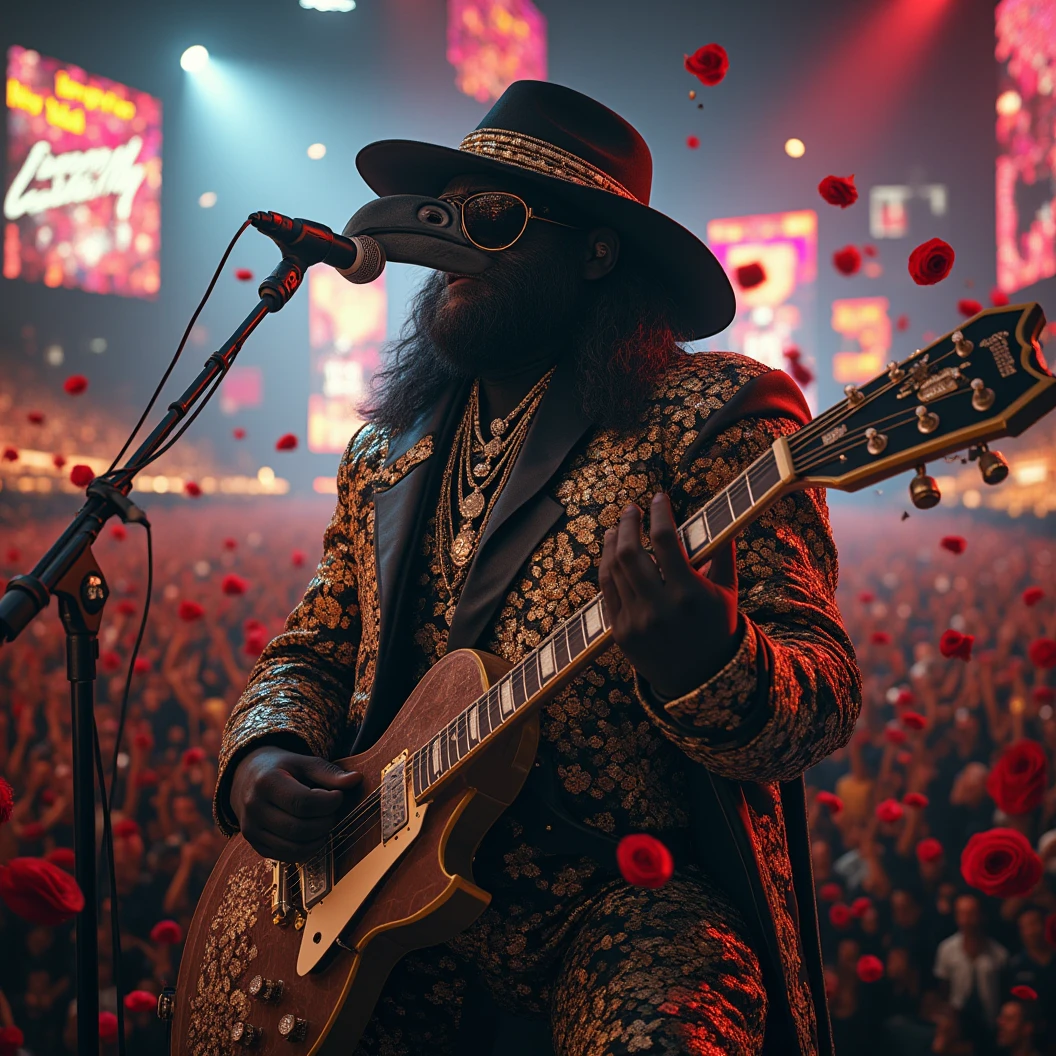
(992, 465)
(923, 490)
(962, 344)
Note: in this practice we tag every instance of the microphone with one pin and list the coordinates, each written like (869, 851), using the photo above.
(360, 259)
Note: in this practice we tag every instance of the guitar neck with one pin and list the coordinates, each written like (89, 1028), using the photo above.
(576, 641)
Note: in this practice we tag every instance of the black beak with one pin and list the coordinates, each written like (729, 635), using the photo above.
(413, 229)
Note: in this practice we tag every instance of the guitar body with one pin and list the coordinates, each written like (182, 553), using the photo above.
(426, 896)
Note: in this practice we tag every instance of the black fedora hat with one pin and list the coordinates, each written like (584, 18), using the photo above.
(584, 155)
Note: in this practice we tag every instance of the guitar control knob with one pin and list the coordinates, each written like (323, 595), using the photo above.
(923, 490)
(982, 397)
(961, 344)
(245, 1034)
(992, 465)
(927, 421)
(265, 989)
(876, 441)
(293, 1028)
(166, 1003)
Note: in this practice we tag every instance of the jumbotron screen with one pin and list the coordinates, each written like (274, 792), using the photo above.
(82, 204)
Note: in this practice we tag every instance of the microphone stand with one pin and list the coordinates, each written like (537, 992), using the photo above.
(69, 571)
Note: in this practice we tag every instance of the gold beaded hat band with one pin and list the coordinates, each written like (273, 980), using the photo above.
(584, 157)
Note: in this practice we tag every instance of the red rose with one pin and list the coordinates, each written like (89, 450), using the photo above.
(966, 306)
(998, 297)
(880, 638)
(847, 261)
(956, 544)
(861, 906)
(750, 275)
(166, 933)
(189, 611)
(286, 442)
(140, 1001)
(929, 850)
(1032, 595)
(141, 666)
(917, 800)
(1024, 993)
(870, 968)
(708, 64)
(7, 801)
(107, 1026)
(297, 558)
(830, 892)
(75, 384)
(839, 915)
(63, 857)
(913, 720)
(144, 740)
(889, 811)
(40, 892)
(868, 250)
(243, 275)
(81, 476)
(193, 756)
(1018, 779)
(11, 1040)
(902, 323)
(953, 644)
(58, 461)
(238, 433)
(1000, 862)
(830, 801)
(801, 373)
(931, 262)
(230, 544)
(644, 861)
(1042, 653)
(693, 142)
(232, 584)
(35, 417)
(192, 489)
(904, 698)
(867, 597)
(903, 758)
(126, 828)
(839, 190)
(10, 454)
(894, 735)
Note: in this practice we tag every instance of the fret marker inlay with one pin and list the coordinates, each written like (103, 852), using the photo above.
(546, 660)
(593, 621)
(506, 696)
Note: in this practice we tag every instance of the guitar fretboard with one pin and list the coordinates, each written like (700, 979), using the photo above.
(571, 642)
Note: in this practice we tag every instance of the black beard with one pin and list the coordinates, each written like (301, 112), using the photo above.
(511, 318)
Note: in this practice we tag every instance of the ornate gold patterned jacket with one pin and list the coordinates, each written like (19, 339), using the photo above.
(789, 697)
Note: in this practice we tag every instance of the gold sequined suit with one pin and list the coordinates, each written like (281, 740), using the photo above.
(371, 621)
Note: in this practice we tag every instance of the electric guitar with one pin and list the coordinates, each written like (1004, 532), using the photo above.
(282, 954)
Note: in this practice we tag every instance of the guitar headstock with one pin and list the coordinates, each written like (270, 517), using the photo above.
(985, 380)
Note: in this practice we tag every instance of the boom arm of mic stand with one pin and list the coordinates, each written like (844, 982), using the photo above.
(28, 595)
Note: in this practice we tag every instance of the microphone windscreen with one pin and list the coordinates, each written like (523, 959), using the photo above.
(370, 261)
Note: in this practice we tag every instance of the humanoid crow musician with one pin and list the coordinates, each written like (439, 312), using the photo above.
(535, 436)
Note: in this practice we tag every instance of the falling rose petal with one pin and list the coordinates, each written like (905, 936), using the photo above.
(839, 915)
(708, 64)
(166, 933)
(895, 735)
(192, 489)
(126, 828)
(286, 442)
(81, 476)
(954, 645)
(13, 555)
(880, 638)
(58, 461)
(64, 858)
(913, 720)
(109, 661)
(10, 454)
(839, 190)
(956, 544)
(868, 250)
(238, 433)
(193, 757)
(830, 892)
(870, 968)
(847, 261)
(35, 417)
(230, 544)
(867, 597)
(40, 892)
(1032, 595)
(243, 275)
(75, 384)
(998, 297)
(916, 800)
(904, 698)
(644, 861)
(966, 306)
(830, 801)
(141, 666)
(902, 323)
(1042, 653)
(750, 275)
(929, 850)
(889, 811)
(860, 906)
(931, 262)
(140, 1001)
(297, 558)
(232, 584)
(126, 607)
(107, 1026)
(189, 611)
(1022, 992)
(693, 142)
(118, 532)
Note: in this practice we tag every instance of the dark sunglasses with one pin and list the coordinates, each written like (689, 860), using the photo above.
(494, 220)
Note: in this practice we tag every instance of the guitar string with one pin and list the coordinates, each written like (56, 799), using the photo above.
(349, 830)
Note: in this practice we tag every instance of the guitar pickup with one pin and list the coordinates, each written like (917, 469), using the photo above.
(317, 875)
(394, 797)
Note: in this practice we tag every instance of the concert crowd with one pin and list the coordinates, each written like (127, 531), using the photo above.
(918, 960)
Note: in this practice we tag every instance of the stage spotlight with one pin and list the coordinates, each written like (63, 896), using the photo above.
(328, 5)
(794, 148)
(195, 58)
(317, 151)
(1009, 103)
(207, 199)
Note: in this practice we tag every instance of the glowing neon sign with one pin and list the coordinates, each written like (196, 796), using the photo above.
(862, 320)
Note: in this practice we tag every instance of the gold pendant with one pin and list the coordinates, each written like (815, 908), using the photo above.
(493, 448)
(481, 470)
(462, 547)
(497, 427)
(449, 615)
(472, 505)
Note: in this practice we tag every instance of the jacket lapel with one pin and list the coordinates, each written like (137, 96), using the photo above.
(524, 512)
(400, 512)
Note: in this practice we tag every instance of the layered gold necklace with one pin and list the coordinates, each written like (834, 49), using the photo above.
(478, 470)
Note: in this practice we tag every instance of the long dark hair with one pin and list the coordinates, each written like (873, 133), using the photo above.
(622, 344)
